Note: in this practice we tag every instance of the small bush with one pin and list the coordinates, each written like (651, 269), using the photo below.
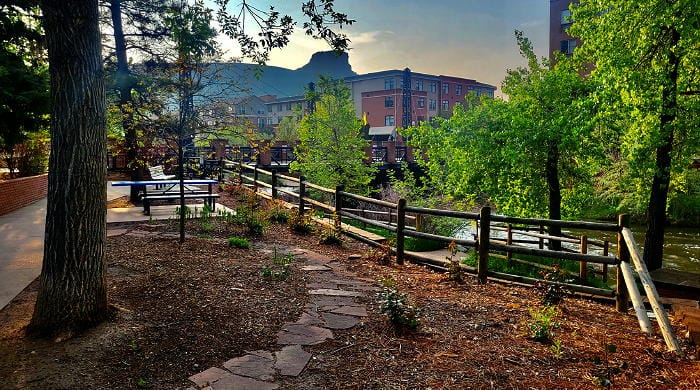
(454, 269)
(280, 268)
(277, 212)
(380, 255)
(238, 242)
(396, 306)
(540, 327)
(301, 223)
(549, 289)
(330, 236)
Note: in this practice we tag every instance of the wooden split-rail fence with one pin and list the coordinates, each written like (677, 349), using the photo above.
(337, 202)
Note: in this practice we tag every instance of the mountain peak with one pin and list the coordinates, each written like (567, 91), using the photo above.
(329, 63)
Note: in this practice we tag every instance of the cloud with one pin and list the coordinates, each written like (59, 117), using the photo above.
(366, 37)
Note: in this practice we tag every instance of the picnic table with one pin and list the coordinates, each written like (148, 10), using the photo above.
(170, 190)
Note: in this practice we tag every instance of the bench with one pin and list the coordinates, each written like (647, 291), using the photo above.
(210, 199)
(157, 173)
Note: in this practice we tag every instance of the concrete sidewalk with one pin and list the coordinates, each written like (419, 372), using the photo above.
(22, 245)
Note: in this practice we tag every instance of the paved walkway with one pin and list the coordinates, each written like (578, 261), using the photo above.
(331, 306)
(22, 240)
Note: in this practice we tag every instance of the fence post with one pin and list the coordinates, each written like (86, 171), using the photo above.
(221, 169)
(400, 223)
(255, 178)
(274, 184)
(338, 206)
(582, 265)
(302, 191)
(541, 238)
(623, 253)
(240, 172)
(606, 249)
(483, 243)
(509, 241)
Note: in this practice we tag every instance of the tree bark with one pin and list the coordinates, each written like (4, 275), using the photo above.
(552, 176)
(656, 209)
(72, 294)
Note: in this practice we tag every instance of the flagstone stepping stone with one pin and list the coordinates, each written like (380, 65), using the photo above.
(303, 334)
(238, 382)
(357, 311)
(252, 366)
(309, 319)
(291, 360)
(322, 300)
(315, 268)
(339, 321)
(335, 293)
(116, 232)
(208, 376)
(322, 285)
(141, 233)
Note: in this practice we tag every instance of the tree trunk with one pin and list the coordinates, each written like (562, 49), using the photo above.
(72, 294)
(124, 84)
(552, 176)
(656, 210)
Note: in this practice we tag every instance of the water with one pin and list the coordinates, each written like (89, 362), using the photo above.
(681, 245)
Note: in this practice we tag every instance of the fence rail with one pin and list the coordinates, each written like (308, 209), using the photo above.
(485, 245)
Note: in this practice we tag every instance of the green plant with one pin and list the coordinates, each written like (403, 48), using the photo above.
(280, 268)
(188, 212)
(454, 269)
(402, 314)
(550, 288)
(141, 382)
(605, 370)
(277, 212)
(381, 254)
(557, 349)
(330, 235)
(238, 242)
(540, 326)
(301, 223)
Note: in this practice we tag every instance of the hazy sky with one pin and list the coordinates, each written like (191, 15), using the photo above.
(464, 38)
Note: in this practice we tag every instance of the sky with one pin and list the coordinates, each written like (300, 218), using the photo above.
(464, 38)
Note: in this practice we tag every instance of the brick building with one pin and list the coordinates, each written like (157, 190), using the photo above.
(559, 22)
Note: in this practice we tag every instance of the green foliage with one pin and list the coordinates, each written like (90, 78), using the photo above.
(402, 314)
(454, 269)
(287, 130)
(331, 151)
(381, 254)
(277, 212)
(238, 242)
(605, 368)
(557, 349)
(330, 235)
(301, 223)
(280, 268)
(550, 289)
(540, 326)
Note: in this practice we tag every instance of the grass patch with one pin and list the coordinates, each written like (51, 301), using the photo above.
(414, 244)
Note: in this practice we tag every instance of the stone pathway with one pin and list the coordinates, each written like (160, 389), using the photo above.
(332, 305)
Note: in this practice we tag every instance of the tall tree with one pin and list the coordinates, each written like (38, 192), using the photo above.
(330, 152)
(24, 86)
(646, 56)
(72, 293)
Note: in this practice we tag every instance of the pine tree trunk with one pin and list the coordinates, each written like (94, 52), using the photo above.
(656, 210)
(72, 293)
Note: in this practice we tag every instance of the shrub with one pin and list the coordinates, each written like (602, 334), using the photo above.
(396, 306)
(330, 236)
(550, 289)
(280, 268)
(238, 242)
(277, 212)
(301, 223)
(381, 254)
(540, 326)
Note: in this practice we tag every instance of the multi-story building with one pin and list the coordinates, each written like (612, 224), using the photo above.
(381, 98)
(559, 22)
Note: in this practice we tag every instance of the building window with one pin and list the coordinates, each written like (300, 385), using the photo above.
(241, 110)
(389, 101)
(261, 122)
(458, 90)
(433, 87)
(419, 85)
(289, 106)
(421, 102)
(445, 105)
(420, 119)
(565, 17)
(568, 46)
(279, 107)
(445, 88)
(389, 84)
(432, 104)
(269, 108)
(389, 120)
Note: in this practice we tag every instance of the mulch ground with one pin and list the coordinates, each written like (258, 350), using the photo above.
(184, 308)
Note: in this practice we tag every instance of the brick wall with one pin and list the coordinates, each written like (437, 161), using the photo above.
(17, 193)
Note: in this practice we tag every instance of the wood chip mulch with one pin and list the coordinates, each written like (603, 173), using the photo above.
(187, 307)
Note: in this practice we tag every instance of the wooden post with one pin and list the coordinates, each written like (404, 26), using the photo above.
(240, 172)
(255, 178)
(302, 191)
(483, 244)
(622, 297)
(274, 184)
(606, 249)
(338, 205)
(390, 217)
(582, 265)
(400, 223)
(637, 302)
(419, 222)
(509, 241)
(541, 238)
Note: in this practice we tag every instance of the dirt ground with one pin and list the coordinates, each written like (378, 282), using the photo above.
(184, 308)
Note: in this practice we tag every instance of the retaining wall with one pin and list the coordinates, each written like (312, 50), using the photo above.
(17, 193)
